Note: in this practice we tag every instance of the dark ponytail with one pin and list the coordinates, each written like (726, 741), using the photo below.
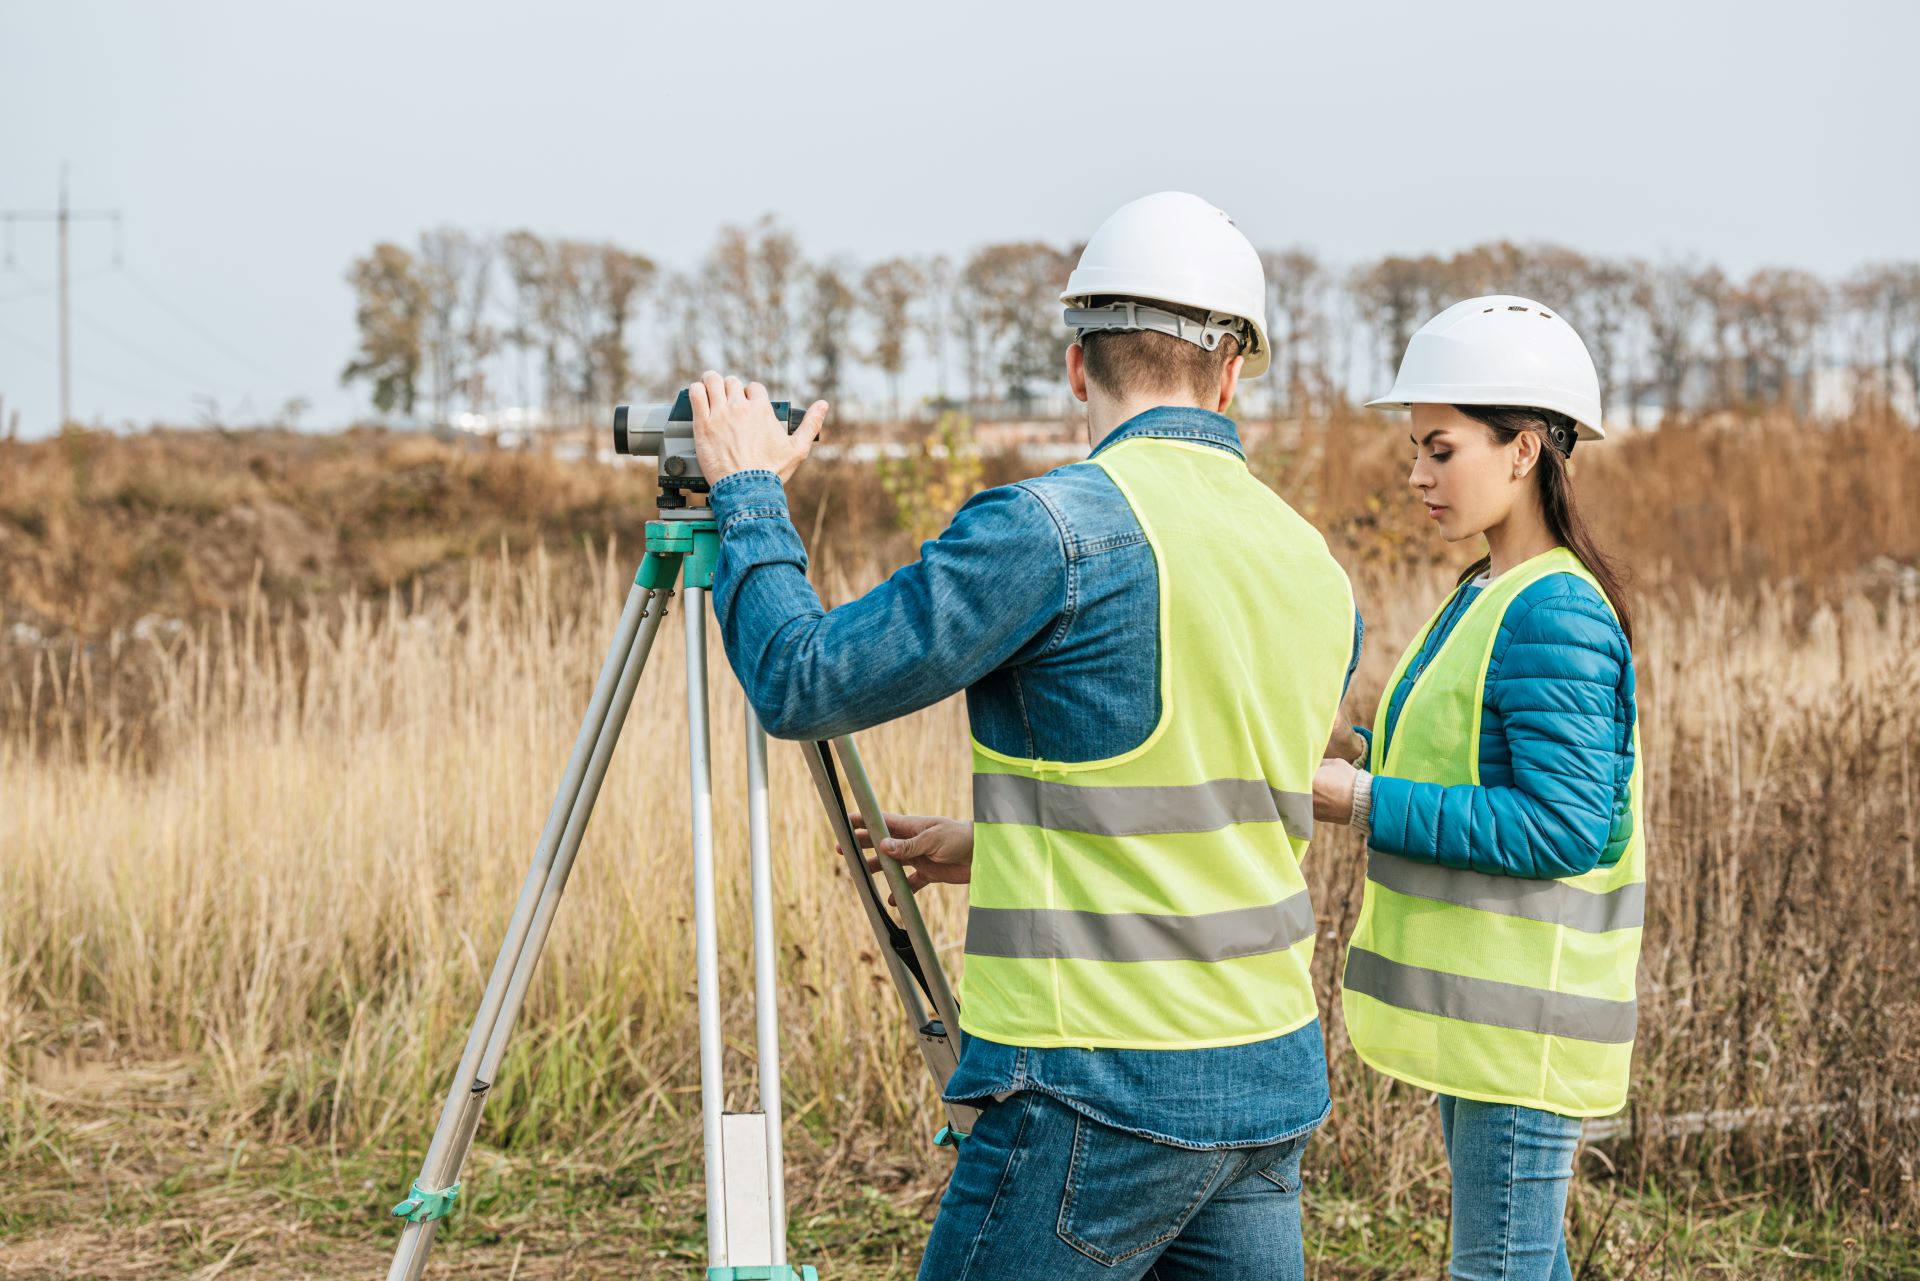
(1564, 521)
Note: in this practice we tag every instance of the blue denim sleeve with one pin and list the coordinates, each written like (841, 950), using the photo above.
(995, 580)
(1353, 663)
(1557, 687)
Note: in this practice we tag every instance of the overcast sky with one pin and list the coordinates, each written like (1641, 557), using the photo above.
(256, 148)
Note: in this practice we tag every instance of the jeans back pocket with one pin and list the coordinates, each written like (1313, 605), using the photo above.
(1126, 1194)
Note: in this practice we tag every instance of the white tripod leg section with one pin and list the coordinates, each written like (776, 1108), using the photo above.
(706, 958)
(766, 993)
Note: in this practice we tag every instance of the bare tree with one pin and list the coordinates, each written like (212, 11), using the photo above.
(936, 319)
(1681, 331)
(457, 337)
(1884, 299)
(1397, 295)
(1494, 267)
(683, 310)
(753, 279)
(1549, 274)
(1601, 307)
(390, 310)
(829, 313)
(888, 292)
(536, 324)
(611, 282)
(1297, 286)
(1671, 300)
(439, 265)
(1017, 288)
(1721, 304)
(1779, 312)
(970, 322)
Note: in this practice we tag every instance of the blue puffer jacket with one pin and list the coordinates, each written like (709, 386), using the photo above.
(1556, 746)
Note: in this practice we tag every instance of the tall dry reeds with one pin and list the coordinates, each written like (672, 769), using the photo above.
(302, 890)
(278, 847)
(300, 885)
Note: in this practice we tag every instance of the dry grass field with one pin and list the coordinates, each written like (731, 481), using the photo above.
(280, 718)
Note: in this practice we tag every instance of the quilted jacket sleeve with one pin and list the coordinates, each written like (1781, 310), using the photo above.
(1562, 690)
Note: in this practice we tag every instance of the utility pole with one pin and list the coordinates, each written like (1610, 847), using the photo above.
(64, 216)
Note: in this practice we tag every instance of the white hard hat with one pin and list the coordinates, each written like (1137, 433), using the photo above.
(1499, 350)
(1176, 248)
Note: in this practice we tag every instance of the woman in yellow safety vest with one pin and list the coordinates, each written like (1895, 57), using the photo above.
(1493, 961)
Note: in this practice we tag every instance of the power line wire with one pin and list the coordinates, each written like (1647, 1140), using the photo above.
(158, 361)
(27, 344)
(35, 285)
(205, 334)
(20, 340)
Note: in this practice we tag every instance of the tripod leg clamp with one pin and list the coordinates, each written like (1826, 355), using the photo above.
(422, 1205)
(764, 1272)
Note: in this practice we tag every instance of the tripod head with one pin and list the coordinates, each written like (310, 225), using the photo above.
(666, 432)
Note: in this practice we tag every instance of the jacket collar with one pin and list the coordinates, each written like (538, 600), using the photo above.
(1177, 422)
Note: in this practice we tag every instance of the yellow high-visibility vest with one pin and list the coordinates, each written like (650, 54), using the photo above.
(1154, 899)
(1504, 989)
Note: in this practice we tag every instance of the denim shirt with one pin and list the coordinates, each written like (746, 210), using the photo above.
(1041, 601)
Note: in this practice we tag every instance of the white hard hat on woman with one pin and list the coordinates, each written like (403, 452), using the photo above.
(1501, 350)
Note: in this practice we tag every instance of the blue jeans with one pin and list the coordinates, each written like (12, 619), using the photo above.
(1041, 1191)
(1511, 1167)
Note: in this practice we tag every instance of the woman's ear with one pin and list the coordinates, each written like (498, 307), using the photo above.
(1526, 455)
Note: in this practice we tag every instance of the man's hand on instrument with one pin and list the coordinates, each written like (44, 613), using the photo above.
(934, 850)
(734, 429)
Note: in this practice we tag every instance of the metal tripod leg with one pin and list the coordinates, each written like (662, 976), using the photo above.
(438, 1184)
(745, 1174)
(706, 960)
(746, 1201)
(766, 990)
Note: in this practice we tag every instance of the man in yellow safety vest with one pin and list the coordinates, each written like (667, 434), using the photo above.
(1154, 647)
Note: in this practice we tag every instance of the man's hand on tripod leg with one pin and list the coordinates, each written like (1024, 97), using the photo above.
(735, 429)
(934, 850)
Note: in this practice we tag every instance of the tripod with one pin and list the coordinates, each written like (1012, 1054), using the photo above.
(744, 1163)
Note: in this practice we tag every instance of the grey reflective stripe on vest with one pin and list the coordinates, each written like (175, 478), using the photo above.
(1489, 1001)
(1139, 811)
(1554, 902)
(1044, 933)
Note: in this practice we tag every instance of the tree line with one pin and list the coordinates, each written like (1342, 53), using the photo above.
(464, 322)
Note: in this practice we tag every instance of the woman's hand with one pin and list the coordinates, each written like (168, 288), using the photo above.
(934, 850)
(1333, 791)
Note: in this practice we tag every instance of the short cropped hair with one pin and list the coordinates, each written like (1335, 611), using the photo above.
(1141, 362)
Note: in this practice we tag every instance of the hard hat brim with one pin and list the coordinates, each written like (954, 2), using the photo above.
(1407, 397)
(1168, 287)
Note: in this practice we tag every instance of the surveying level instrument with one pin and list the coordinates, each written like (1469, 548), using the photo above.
(665, 432)
(745, 1167)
